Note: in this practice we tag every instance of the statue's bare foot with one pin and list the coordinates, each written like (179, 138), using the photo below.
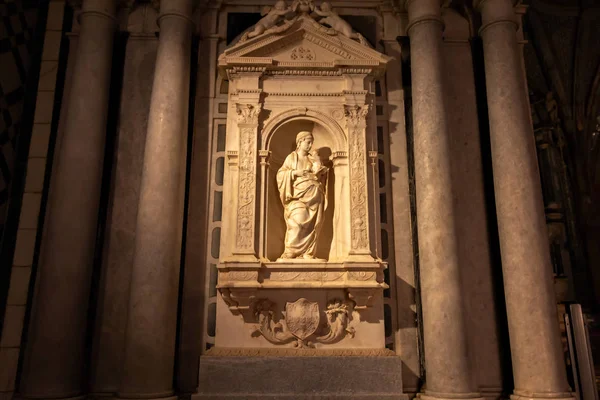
(286, 257)
(308, 257)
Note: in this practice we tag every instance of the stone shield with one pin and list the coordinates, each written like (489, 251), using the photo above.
(302, 318)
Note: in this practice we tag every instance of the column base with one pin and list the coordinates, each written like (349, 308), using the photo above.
(492, 393)
(145, 396)
(46, 397)
(429, 395)
(525, 395)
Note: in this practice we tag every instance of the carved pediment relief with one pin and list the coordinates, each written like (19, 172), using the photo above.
(303, 42)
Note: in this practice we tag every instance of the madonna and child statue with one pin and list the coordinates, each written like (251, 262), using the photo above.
(302, 184)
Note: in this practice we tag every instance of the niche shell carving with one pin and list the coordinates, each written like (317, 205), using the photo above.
(301, 322)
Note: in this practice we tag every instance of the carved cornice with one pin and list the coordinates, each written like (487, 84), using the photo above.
(232, 157)
(233, 72)
(304, 72)
(316, 94)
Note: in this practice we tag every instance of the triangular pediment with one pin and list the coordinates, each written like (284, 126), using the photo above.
(306, 44)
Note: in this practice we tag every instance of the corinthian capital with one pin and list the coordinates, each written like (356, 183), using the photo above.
(355, 114)
(248, 113)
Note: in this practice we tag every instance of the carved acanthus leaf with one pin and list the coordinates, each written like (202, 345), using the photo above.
(355, 114)
(248, 113)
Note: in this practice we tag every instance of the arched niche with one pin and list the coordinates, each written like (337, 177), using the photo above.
(281, 142)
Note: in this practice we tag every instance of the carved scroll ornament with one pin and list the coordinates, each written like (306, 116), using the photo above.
(301, 322)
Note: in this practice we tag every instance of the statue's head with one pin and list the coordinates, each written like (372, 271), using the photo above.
(304, 138)
(280, 5)
(325, 6)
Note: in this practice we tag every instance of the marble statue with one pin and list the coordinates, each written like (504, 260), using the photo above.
(337, 23)
(271, 16)
(280, 18)
(303, 6)
(302, 184)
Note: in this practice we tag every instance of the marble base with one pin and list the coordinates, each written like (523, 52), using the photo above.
(303, 377)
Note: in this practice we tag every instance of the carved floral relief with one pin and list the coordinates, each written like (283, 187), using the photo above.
(356, 122)
(248, 120)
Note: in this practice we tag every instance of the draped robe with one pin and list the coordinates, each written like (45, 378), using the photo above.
(304, 200)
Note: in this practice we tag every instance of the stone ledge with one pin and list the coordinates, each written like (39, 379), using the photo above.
(292, 352)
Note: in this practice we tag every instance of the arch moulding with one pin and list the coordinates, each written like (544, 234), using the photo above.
(329, 123)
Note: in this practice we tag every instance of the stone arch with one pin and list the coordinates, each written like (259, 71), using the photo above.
(329, 123)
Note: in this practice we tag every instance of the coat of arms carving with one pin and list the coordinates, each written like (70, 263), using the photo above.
(301, 322)
(302, 318)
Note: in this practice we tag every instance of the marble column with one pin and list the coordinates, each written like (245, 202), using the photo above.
(53, 365)
(152, 318)
(447, 364)
(538, 364)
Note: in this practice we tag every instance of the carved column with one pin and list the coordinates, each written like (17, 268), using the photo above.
(538, 365)
(245, 245)
(359, 202)
(53, 365)
(449, 373)
(264, 174)
(152, 318)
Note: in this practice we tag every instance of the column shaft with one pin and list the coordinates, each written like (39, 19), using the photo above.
(54, 361)
(446, 356)
(538, 364)
(152, 319)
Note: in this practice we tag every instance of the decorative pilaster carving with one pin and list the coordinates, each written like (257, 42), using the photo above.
(356, 123)
(246, 221)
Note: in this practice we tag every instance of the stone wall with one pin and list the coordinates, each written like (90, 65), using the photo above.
(19, 18)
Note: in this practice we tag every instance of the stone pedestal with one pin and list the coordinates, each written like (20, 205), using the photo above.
(328, 376)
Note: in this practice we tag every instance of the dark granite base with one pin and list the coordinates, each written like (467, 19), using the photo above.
(289, 378)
